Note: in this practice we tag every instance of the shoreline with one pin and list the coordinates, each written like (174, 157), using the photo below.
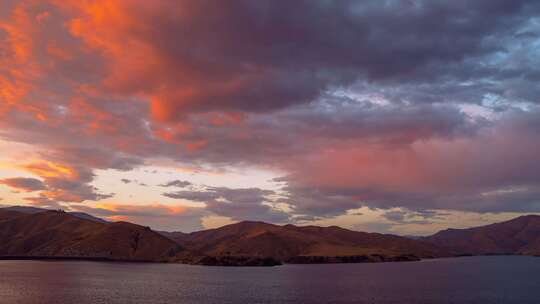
(109, 260)
(74, 259)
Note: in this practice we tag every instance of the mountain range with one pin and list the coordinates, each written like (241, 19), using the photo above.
(28, 233)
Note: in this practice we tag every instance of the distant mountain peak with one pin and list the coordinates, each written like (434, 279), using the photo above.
(520, 235)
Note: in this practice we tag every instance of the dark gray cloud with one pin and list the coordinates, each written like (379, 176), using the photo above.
(279, 53)
(404, 216)
(269, 138)
(238, 204)
(24, 184)
(66, 190)
(93, 157)
(395, 215)
(129, 181)
(177, 183)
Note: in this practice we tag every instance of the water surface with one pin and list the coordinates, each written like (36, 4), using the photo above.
(495, 279)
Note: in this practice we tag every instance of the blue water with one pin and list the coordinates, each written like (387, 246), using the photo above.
(495, 279)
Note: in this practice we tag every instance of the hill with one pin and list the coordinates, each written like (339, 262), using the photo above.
(311, 244)
(37, 233)
(59, 234)
(517, 236)
(34, 210)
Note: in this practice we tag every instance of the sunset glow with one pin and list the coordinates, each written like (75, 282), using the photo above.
(183, 115)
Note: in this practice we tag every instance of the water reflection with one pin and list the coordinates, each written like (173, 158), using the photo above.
(462, 280)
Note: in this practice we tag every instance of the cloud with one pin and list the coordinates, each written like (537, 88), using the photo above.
(237, 204)
(43, 201)
(59, 183)
(176, 183)
(66, 183)
(415, 104)
(24, 184)
(395, 215)
(295, 51)
(136, 182)
(475, 173)
(159, 217)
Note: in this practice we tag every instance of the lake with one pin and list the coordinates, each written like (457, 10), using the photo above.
(491, 279)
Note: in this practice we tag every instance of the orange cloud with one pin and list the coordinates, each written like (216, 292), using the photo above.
(136, 209)
(25, 63)
(49, 169)
(63, 182)
(196, 145)
(175, 133)
(158, 216)
(142, 60)
(94, 119)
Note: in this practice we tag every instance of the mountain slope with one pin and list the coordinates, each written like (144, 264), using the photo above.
(24, 209)
(9, 214)
(34, 210)
(517, 236)
(59, 234)
(304, 244)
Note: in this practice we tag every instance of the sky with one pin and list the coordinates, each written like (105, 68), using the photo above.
(390, 116)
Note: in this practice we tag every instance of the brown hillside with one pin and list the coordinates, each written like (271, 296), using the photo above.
(58, 234)
(287, 242)
(517, 236)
